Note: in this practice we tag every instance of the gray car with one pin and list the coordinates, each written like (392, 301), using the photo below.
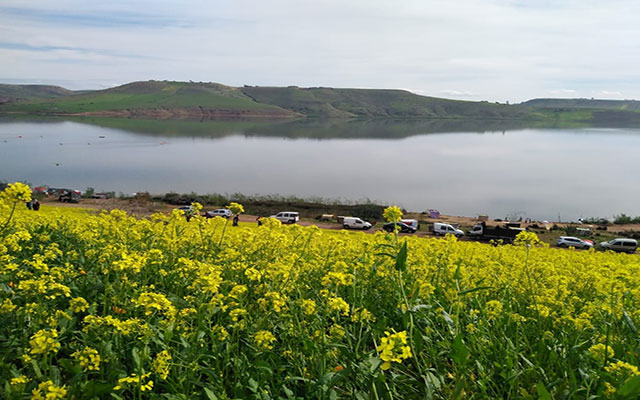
(570, 241)
(623, 245)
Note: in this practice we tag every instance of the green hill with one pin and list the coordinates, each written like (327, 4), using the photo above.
(16, 93)
(593, 104)
(329, 102)
(154, 99)
(201, 100)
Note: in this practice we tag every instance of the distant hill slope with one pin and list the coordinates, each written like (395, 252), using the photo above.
(14, 93)
(155, 99)
(329, 102)
(167, 100)
(594, 104)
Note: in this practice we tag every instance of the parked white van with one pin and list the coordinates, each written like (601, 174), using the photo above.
(287, 217)
(220, 212)
(442, 229)
(355, 223)
(620, 245)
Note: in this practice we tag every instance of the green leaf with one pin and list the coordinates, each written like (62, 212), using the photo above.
(136, 358)
(459, 351)
(253, 385)
(386, 255)
(630, 323)
(210, 394)
(459, 388)
(543, 393)
(630, 388)
(401, 259)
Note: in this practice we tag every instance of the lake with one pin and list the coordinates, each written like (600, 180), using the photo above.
(459, 167)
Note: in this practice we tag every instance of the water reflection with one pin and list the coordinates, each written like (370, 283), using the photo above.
(511, 167)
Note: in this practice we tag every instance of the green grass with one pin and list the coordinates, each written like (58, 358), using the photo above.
(146, 95)
(329, 102)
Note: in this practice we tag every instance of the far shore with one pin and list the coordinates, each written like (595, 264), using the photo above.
(548, 232)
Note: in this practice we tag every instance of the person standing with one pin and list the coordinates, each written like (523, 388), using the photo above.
(35, 204)
(235, 220)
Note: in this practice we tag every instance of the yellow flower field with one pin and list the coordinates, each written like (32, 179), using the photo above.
(104, 305)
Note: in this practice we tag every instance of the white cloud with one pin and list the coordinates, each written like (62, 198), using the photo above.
(457, 93)
(563, 92)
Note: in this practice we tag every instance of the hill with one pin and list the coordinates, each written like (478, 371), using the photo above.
(330, 102)
(202, 100)
(16, 93)
(593, 104)
(154, 99)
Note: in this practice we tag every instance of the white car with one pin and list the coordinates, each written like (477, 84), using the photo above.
(442, 229)
(220, 212)
(621, 245)
(287, 217)
(355, 223)
(570, 241)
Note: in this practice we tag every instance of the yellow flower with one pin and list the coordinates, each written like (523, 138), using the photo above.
(308, 306)
(236, 208)
(392, 214)
(15, 192)
(135, 380)
(21, 380)
(493, 309)
(78, 304)
(264, 339)
(161, 364)
(339, 305)
(88, 358)
(220, 333)
(393, 348)
(527, 239)
(601, 351)
(48, 391)
(44, 342)
(622, 370)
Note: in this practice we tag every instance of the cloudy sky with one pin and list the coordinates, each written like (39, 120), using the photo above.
(497, 50)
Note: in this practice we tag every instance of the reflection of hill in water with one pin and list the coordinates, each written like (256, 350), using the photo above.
(382, 128)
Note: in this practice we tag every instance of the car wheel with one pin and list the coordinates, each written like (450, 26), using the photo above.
(345, 226)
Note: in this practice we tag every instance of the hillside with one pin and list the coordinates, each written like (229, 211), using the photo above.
(154, 99)
(593, 104)
(16, 93)
(329, 102)
(202, 100)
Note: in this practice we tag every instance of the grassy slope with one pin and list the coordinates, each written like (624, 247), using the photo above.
(593, 104)
(12, 93)
(147, 95)
(177, 97)
(328, 102)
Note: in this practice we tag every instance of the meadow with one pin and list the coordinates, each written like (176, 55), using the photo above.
(104, 305)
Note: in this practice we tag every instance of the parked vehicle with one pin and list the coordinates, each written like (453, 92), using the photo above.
(355, 223)
(413, 223)
(505, 233)
(570, 241)
(287, 217)
(220, 212)
(404, 228)
(69, 196)
(621, 245)
(441, 229)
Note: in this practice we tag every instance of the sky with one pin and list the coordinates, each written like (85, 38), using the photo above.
(495, 50)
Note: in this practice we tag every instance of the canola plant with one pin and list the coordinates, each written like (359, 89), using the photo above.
(105, 305)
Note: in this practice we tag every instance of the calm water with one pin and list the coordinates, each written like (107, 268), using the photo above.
(505, 170)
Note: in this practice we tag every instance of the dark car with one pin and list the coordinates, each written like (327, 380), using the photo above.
(389, 227)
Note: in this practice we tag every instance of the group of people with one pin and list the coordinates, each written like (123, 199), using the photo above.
(33, 205)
